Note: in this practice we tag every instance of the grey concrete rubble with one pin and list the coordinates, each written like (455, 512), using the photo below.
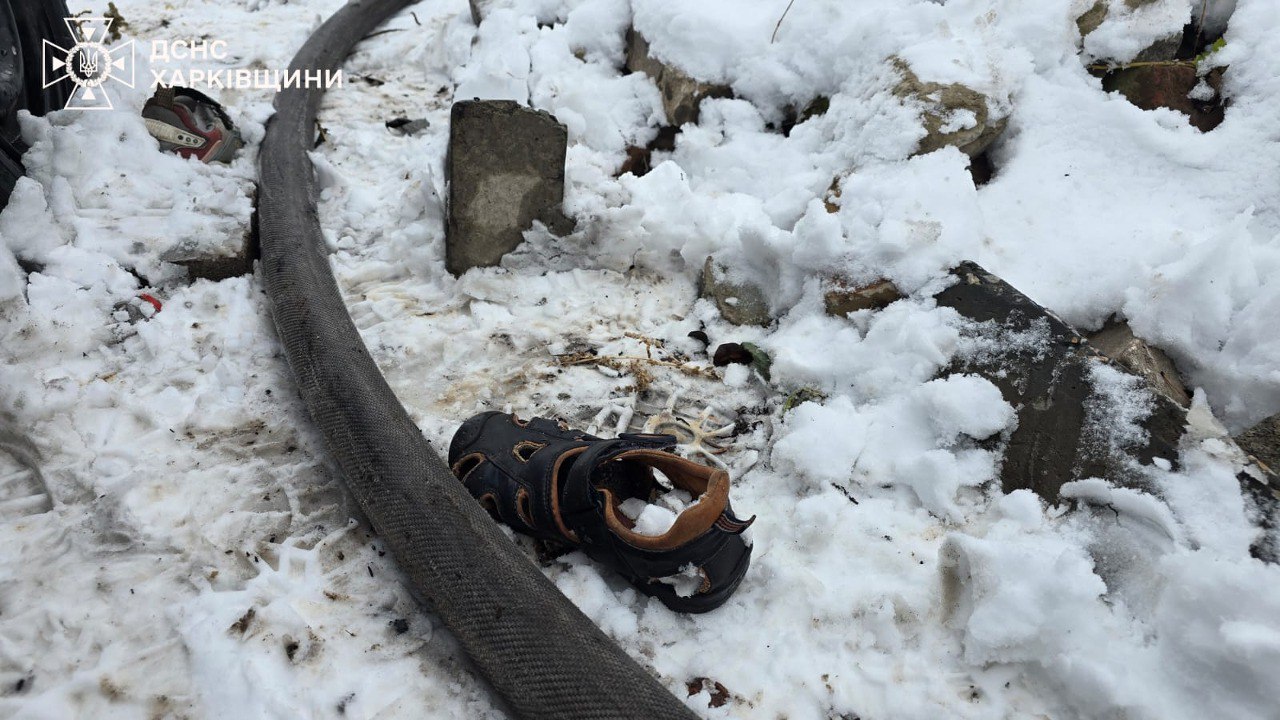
(941, 105)
(504, 169)
(206, 261)
(1088, 22)
(738, 303)
(1049, 381)
(839, 298)
(1262, 441)
(1163, 48)
(682, 95)
(1117, 341)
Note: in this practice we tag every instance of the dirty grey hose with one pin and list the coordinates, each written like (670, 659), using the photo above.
(542, 655)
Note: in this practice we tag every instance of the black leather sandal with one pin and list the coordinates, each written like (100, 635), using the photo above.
(545, 480)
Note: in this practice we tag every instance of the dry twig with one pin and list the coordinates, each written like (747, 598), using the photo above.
(784, 16)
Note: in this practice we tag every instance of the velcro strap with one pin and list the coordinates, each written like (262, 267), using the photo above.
(578, 497)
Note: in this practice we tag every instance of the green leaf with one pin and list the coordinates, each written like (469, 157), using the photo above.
(760, 359)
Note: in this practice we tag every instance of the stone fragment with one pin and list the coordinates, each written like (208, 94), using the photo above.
(1117, 341)
(738, 303)
(840, 299)
(1092, 18)
(682, 95)
(731, 353)
(831, 199)
(1169, 85)
(952, 114)
(1164, 49)
(1043, 368)
(206, 261)
(1261, 487)
(504, 169)
(1262, 441)
(640, 159)
(226, 248)
(407, 126)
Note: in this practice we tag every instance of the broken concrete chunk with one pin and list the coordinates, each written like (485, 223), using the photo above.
(208, 261)
(214, 267)
(952, 114)
(504, 169)
(1044, 369)
(1262, 441)
(1170, 85)
(738, 303)
(1167, 39)
(1118, 342)
(840, 299)
(681, 95)
(406, 126)
(232, 257)
(1164, 49)
(1097, 13)
(1092, 18)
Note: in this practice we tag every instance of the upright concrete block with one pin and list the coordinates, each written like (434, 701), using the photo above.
(505, 169)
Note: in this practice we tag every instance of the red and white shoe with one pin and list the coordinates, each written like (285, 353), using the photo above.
(191, 124)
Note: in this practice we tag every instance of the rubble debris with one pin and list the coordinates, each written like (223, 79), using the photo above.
(739, 303)
(504, 169)
(682, 95)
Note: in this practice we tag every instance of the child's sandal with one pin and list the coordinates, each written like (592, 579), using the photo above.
(548, 481)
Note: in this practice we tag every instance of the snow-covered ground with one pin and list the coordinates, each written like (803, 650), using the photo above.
(189, 552)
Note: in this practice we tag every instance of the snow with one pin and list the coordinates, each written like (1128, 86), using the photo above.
(1128, 30)
(918, 440)
(892, 576)
(657, 517)
(1114, 412)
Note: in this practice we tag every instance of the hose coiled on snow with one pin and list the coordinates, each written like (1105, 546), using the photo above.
(541, 654)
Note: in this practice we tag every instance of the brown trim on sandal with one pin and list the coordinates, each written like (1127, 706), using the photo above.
(522, 507)
(570, 535)
(531, 445)
(462, 461)
(711, 486)
(489, 502)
